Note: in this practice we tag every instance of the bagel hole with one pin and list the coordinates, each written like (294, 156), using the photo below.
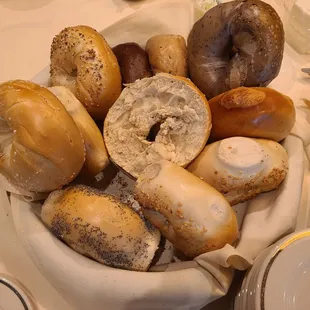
(153, 132)
(74, 72)
(233, 52)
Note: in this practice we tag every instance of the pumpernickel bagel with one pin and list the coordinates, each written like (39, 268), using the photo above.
(83, 61)
(133, 62)
(239, 43)
(162, 117)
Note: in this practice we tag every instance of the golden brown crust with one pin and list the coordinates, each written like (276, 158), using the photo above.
(168, 54)
(82, 60)
(43, 149)
(242, 112)
(191, 214)
(96, 154)
(99, 226)
(242, 98)
(222, 165)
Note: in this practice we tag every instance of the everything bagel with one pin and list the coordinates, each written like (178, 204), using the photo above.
(83, 61)
(250, 28)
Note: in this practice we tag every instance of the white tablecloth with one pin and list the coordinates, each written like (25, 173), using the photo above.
(26, 30)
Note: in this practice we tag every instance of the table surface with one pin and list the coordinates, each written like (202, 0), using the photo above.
(26, 30)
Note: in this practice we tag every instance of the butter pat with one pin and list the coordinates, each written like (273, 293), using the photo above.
(298, 27)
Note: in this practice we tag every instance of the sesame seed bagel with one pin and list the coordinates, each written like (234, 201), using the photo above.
(161, 117)
(83, 61)
(99, 226)
(241, 168)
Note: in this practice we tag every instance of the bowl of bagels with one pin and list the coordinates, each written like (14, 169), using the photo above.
(129, 155)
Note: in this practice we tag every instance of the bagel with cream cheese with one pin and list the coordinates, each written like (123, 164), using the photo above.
(83, 61)
(161, 117)
(241, 168)
(99, 226)
(96, 154)
(238, 43)
(191, 214)
(41, 147)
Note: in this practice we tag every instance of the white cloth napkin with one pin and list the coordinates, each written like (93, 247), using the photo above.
(86, 284)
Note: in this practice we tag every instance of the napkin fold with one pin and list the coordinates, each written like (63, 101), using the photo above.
(27, 195)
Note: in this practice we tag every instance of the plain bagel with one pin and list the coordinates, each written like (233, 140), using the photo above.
(191, 214)
(168, 54)
(41, 146)
(162, 117)
(96, 154)
(252, 31)
(99, 226)
(83, 61)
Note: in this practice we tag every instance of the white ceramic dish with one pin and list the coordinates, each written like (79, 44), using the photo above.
(13, 295)
(280, 277)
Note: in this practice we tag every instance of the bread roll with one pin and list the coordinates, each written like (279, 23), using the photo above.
(168, 54)
(252, 112)
(101, 227)
(83, 61)
(96, 154)
(41, 147)
(162, 117)
(241, 168)
(191, 214)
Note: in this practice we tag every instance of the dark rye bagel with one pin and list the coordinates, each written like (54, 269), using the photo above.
(250, 28)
